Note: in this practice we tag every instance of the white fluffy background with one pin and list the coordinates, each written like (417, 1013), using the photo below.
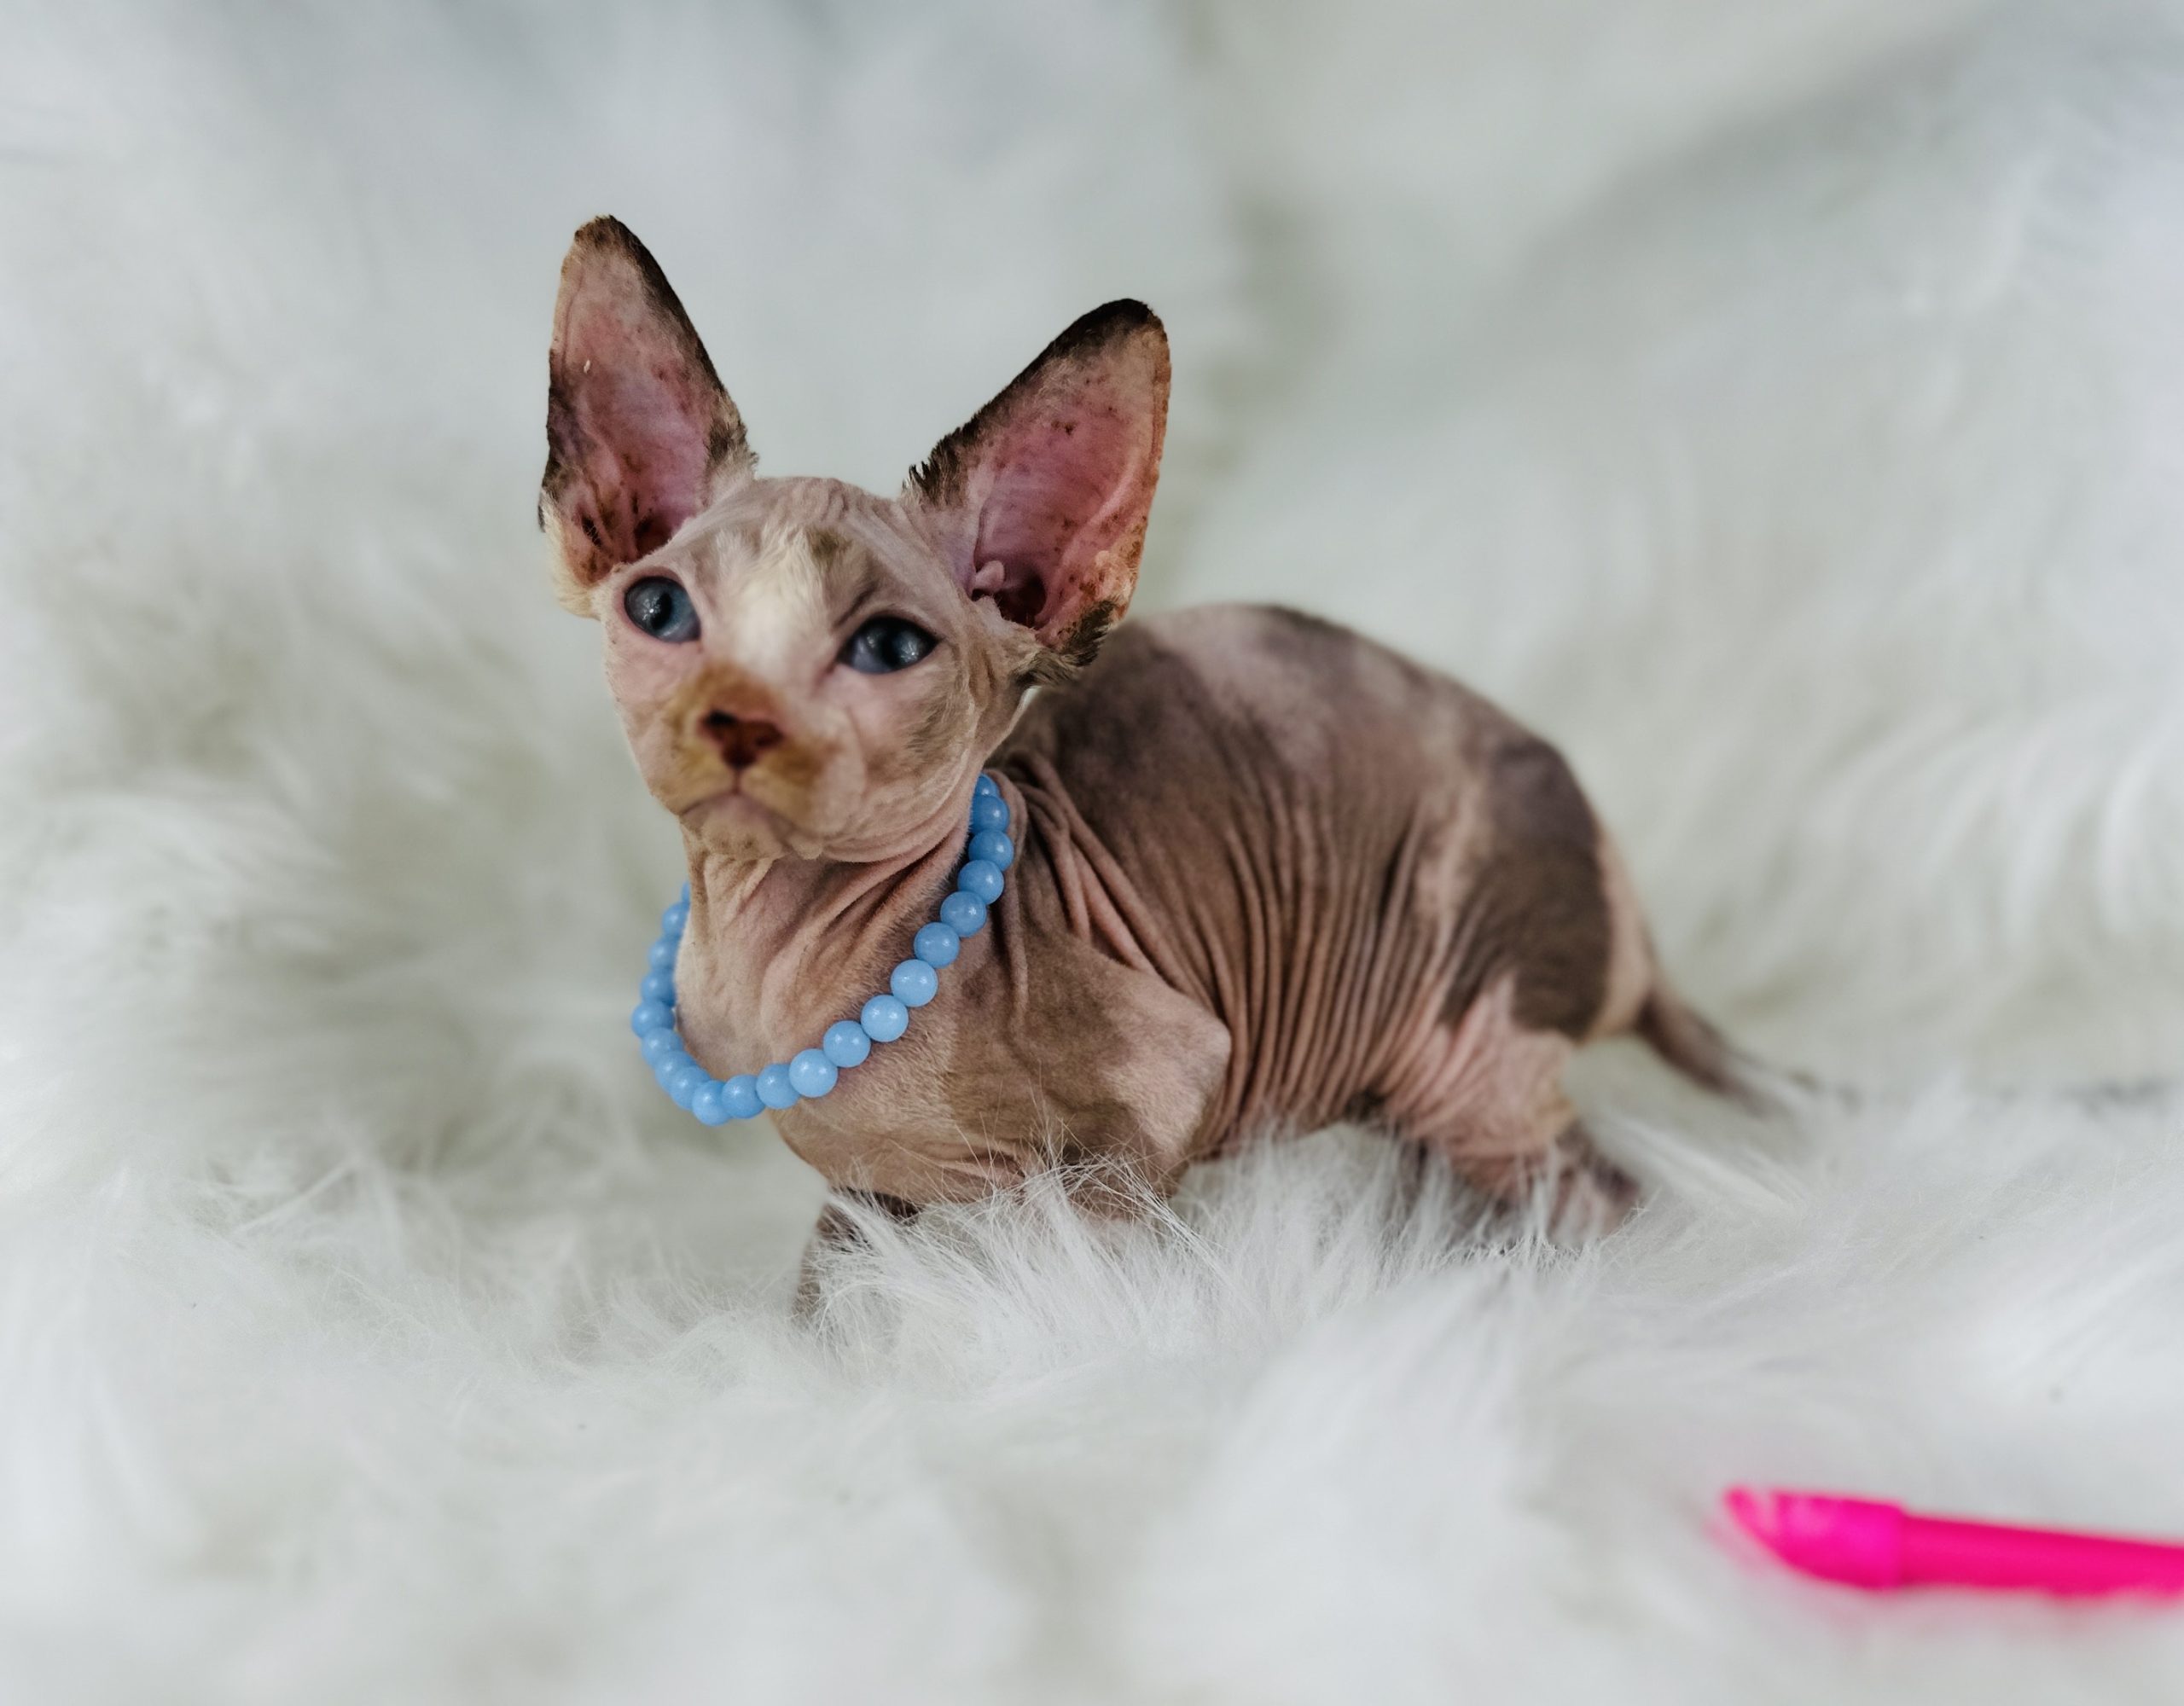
(1781, 405)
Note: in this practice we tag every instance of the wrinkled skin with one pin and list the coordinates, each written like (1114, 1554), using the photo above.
(1271, 875)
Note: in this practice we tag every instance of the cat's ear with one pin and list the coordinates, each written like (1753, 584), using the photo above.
(1040, 501)
(640, 434)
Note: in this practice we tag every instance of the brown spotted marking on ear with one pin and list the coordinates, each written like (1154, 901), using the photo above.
(1040, 501)
(1082, 642)
(640, 432)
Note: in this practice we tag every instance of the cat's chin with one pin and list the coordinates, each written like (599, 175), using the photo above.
(734, 826)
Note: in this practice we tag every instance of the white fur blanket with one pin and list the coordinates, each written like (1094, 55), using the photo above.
(1779, 406)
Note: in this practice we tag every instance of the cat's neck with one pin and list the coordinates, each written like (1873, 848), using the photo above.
(774, 945)
(761, 906)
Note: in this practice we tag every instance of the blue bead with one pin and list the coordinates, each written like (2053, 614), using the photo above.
(775, 1090)
(649, 1015)
(662, 956)
(914, 983)
(884, 1019)
(965, 915)
(982, 878)
(685, 895)
(659, 1044)
(672, 920)
(710, 1104)
(811, 1073)
(983, 788)
(990, 812)
(995, 848)
(740, 1096)
(686, 1081)
(659, 986)
(937, 945)
(846, 1043)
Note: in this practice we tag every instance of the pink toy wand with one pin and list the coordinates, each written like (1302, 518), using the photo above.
(1863, 1543)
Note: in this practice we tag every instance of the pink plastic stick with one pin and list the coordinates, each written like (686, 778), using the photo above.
(1864, 1543)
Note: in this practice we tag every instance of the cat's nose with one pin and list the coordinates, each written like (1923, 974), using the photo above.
(743, 740)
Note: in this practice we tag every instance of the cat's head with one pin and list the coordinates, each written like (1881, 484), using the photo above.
(804, 668)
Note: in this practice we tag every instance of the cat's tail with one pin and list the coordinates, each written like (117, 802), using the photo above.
(1688, 1041)
(1642, 1003)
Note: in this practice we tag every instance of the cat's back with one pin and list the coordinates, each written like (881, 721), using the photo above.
(1193, 706)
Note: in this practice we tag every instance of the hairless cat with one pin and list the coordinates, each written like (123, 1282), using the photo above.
(1273, 875)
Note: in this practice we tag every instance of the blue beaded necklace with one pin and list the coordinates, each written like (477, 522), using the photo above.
(812, 1072)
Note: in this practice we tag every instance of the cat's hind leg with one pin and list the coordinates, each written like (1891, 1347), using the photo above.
(1488, 1098)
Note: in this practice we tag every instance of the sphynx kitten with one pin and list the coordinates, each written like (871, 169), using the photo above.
(1271, 875)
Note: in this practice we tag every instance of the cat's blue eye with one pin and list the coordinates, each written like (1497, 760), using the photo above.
(662, 608)
(886, 644)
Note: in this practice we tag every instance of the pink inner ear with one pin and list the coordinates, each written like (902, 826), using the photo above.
(1039, 501)
(1066, 485)
(638, 429)
(648, 478)
(633, 428)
